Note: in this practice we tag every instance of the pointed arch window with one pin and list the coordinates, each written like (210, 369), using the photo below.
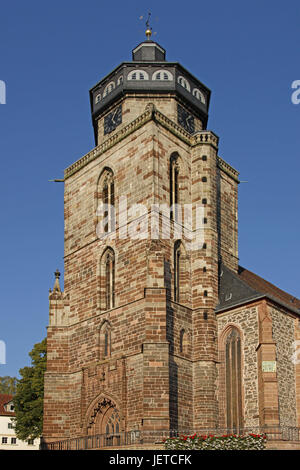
(112, 429)
(106, 203)
(109, 201)
(183, 342)
(177, 261)
(110, 280)
(233, 368)
(107, 280)
(104, 341)
(174, 186)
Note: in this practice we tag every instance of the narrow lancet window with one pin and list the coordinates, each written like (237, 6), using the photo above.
(109, 202)
(174, 187)
(182, 341)
(104, 341)
(233, 381)
(106, 344)
(110, 280)
(177, 271)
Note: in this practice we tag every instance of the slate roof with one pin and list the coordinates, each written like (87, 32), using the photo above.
(245, 286)
(266, 287)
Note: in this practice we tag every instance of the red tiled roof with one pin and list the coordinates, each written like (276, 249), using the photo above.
(265, 287)
(5, 398)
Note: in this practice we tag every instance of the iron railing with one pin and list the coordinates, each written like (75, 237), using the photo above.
(97, 441)
(140, 437)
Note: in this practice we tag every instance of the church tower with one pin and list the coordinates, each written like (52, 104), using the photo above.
(150, 221)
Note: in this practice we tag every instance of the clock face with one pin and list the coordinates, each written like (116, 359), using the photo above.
(112, 120)
(185, 119)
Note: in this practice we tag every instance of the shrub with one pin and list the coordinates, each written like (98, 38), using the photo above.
(211, 442)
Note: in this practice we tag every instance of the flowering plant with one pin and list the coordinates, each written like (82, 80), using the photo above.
(211, 442)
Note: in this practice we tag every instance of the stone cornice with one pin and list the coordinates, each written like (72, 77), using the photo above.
(151, 113)
(171, 126)
(229, 170)
(109, 143)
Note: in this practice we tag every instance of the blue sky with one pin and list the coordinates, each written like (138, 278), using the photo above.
(52, 53)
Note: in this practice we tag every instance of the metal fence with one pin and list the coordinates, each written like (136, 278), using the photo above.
(140, 437)
(98, 441)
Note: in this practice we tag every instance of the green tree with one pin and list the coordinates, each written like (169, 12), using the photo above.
(29, 397)
(8, 385)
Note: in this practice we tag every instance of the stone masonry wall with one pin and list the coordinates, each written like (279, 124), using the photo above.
(228, 220)
(133, 107)
(283, 335)
(246, 320)
(145, 363)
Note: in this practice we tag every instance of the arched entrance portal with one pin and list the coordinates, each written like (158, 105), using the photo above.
(104, 418)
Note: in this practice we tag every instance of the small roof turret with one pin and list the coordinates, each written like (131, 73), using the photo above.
(149, 51)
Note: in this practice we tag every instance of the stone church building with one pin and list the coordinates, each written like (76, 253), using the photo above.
(159, 329)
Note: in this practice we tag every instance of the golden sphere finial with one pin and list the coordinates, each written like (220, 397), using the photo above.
(149, 29)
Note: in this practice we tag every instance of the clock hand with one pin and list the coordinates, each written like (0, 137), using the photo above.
(113, 117)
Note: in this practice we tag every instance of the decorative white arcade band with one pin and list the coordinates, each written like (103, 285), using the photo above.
(137, 222)
(2, 92)
(2, 352)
